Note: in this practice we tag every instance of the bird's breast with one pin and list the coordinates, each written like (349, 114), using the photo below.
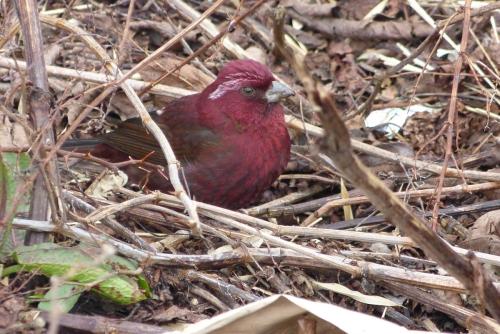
(235, 174)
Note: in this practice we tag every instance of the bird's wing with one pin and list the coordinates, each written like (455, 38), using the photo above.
(181, 125)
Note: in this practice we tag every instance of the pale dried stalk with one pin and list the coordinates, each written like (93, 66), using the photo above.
(209, 28)
(427, 18)
(177, 38)
(291, 121)
(214, 211)
(371, 270)
(338, 146)
(100, 78)
(316, 131)
(285, 200)
(106, 211)
(337, 262)
(154, 129)
(327, 207)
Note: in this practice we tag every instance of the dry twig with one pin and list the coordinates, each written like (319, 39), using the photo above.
(338, 146)
(146, 118)
(452, 112)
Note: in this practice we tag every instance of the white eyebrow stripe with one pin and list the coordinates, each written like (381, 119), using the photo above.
(225, 87)
(233, 82)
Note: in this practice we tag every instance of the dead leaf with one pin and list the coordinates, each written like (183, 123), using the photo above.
(9, 311)
(188, 76)
(339, 48)
(311, 9)
(175, 312)
(485, 234)
(257, 53)
(12, 134)
(105, 183)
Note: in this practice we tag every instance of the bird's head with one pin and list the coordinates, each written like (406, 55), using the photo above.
(246, 91)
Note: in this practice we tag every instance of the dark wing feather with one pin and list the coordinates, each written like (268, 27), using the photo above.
(181, 125)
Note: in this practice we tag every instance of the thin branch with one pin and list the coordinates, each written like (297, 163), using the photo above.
(439, 30)
(154, 129)
(330, 205)
(270, 255)
(118, 228)
(452, 112)
(100, 78)
(214, 40)
(39, 102)
(338, 146)
(122, 47)
(216, 212)
(316, 131)
(171, 42)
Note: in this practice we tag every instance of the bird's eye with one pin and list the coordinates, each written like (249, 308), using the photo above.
(248, 91)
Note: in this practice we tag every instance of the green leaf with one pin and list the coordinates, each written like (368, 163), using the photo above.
(64, 297)
(50, 259)
(35, 296)
(144, 286)
(131, 265)
(12, 168)
(12, 270)
(103, 278)
(121, 290)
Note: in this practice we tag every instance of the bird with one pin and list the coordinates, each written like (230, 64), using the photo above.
(231, 138)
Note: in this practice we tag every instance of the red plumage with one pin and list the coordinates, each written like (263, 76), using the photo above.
(231, 138)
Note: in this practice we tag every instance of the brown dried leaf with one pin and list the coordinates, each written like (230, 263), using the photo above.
(175, 312)
(339, 48)
(485, 234)
(9, 311)
(312, 9)
(188, 76)
(12, 134)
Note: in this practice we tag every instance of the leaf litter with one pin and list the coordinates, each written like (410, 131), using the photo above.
(340, 55)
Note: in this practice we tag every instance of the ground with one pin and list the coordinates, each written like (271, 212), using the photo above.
(350, 50)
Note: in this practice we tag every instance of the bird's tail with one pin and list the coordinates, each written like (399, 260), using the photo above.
(81, 144)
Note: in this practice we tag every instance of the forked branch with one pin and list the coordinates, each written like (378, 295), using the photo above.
(337, 145)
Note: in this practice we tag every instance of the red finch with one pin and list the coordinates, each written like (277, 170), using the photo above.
(231, 138)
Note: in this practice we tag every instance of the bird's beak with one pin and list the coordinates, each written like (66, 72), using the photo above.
(277, 91)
